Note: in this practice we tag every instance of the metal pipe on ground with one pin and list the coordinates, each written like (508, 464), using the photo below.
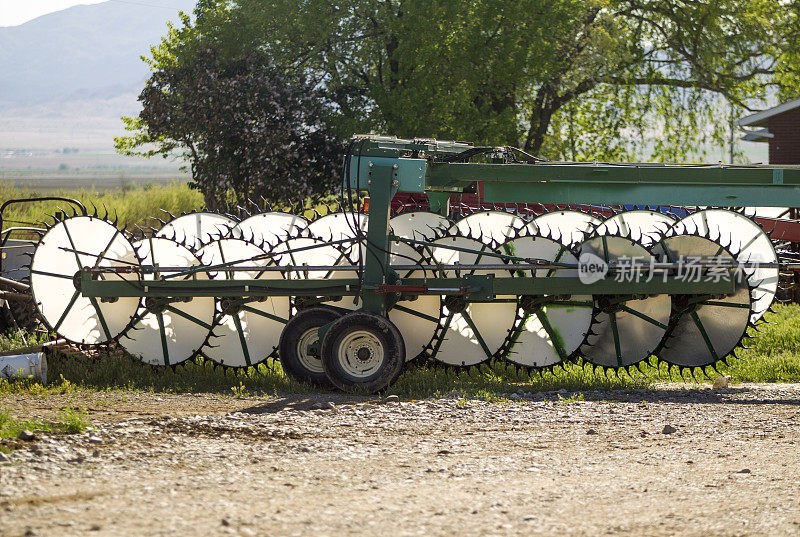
(27, 362)
(34, 348)
(8, 295)
(13, 284)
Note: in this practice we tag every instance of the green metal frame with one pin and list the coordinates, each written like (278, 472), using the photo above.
(383, 166)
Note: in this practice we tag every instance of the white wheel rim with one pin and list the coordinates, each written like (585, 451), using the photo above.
(360, 353)
(310, 362)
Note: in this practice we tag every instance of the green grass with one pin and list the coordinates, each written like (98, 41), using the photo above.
(72, 421)
(132, 206)
(774, 352)
(15, 339)
(774, 356)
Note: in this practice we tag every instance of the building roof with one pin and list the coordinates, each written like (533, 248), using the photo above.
(758, 135)
(759, 119)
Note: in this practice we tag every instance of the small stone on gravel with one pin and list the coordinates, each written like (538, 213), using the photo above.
(26, 435)
(668, 429)
(591, 431)
(744, 471)
(95, 440)
(4, 457)
(721, 382)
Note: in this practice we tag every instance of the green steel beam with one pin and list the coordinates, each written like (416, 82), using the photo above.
(478, 287)
(639, 184)
(383, 183)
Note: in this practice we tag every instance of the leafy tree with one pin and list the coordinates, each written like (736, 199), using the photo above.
(247, 128)
(564, 78)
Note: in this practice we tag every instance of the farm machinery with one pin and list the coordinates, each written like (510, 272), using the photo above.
(646, 260)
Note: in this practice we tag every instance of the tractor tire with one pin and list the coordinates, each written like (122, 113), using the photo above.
(299, 332)
(363, 352)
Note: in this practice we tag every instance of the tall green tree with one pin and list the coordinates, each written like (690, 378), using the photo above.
(563, 78)
(248, 129)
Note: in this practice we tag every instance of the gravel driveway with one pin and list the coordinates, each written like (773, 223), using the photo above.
(673, 460)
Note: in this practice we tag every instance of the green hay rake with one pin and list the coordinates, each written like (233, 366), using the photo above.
(348, 298)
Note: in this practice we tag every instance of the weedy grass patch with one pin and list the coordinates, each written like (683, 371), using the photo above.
(71, 421)
(773, 355)
(132, 207)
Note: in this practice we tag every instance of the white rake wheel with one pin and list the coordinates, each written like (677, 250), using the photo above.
(340, 226)
(567, 227)
(271, 228)
(646, 227)
(416, 319)
(748, 243)
(706, 333)
(313, 251)
(55, 263)
(474, 332)
(552, 333)
(196, 229)
(419, 225)
(493, 227)
(629, 333)
(246, 332)
(172, 333)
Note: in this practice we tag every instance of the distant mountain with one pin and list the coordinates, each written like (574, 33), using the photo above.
(82, 52)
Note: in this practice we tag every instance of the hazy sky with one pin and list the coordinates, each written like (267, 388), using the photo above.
(13, 12)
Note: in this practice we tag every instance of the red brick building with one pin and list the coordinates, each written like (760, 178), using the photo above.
(780, 128)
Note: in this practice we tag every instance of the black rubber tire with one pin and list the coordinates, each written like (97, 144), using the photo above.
(303, 321)
(385, 333)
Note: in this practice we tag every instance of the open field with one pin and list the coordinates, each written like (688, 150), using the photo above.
(132, 205)
(101, 181)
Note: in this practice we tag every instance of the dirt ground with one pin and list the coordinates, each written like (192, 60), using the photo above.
(205, 465)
